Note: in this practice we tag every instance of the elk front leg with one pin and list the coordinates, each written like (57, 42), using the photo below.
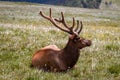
(60, 64)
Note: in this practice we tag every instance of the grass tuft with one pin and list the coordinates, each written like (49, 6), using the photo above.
(114, 69)
(112, 47)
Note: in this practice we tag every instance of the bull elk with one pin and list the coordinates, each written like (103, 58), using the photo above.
(51, 58)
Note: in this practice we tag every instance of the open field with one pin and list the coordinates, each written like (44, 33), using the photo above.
(23, 31)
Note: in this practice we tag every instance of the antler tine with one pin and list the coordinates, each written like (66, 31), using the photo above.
(80, 27)
(77, 26)
(52, 20)
(50, 13)
(73, 23)
(63, 21)
(47, 17)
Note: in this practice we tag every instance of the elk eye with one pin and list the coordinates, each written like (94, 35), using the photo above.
(76, 39)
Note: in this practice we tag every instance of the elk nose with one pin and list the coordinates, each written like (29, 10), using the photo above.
(88, 42)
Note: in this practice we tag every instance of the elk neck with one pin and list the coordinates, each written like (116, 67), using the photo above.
(70, 54)
(71, 48)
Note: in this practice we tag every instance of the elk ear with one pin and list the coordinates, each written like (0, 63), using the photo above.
(71, 36)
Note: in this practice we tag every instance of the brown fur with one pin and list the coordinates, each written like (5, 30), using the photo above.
(54, 59)
(51, 58)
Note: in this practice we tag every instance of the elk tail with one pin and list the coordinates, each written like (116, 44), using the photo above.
(31, 66)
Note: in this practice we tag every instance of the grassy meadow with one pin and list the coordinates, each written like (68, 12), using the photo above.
(23, 31)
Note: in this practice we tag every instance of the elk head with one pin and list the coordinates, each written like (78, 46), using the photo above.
(74, 32)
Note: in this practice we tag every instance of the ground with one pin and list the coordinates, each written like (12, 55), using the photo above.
(23, 31)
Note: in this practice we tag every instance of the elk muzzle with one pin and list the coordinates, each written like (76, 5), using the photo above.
(87, 42)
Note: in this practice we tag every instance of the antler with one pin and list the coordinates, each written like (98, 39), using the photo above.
(69, 30)
(81, 26)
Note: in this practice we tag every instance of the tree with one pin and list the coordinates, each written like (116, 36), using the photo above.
(72, 3)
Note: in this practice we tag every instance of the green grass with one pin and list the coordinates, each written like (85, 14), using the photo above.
(23, 31)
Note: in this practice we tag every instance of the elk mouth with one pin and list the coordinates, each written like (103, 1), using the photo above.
(87, 42)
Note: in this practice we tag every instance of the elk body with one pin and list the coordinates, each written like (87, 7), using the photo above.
(51, 58)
